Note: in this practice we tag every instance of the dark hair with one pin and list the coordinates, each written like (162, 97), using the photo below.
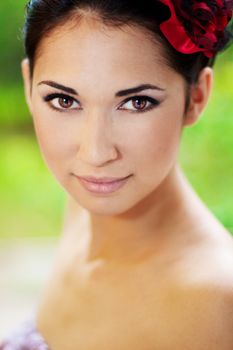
(45, 15)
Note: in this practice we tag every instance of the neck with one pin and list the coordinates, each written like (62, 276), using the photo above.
(140, 232)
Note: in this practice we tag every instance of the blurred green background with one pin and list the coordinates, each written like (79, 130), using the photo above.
(32, 203)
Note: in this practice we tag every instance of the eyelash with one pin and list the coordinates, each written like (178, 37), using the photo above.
(49, 98)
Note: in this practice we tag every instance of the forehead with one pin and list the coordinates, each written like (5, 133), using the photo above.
(90, 50)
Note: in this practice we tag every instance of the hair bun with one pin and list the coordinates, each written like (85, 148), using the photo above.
(197, 26)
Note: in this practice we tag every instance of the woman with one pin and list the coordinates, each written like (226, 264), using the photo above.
(142, 263)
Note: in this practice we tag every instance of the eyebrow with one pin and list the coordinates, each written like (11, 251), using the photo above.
(59, 87)
(118, 94)
(138, 89)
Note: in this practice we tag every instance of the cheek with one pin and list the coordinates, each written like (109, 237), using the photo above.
(54, 143)
(154, 149)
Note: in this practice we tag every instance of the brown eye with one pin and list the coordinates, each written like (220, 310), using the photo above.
(65, 102)
(61, 102)
(137, 103)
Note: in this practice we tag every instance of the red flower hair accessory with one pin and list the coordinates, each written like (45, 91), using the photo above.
(196, 25)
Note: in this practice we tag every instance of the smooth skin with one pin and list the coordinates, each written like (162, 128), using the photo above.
(147, 267)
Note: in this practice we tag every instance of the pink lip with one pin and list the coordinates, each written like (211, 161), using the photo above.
(108, 186)
(102, 180)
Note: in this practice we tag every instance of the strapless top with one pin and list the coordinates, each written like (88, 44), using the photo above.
(26, 337)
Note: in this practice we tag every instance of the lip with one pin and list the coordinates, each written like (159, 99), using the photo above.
(102, 187)
(101, 180)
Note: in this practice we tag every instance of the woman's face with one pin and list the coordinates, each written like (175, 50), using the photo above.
(86, 127)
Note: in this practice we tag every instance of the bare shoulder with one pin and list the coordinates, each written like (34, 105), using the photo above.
(200, 317)
(200, 302)
(205, 255)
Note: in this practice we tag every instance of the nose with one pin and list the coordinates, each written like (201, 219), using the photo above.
(96, 145)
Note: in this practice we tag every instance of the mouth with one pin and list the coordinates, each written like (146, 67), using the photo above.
(101, 180)
(102, 185)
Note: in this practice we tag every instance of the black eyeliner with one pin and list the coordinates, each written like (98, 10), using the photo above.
(154, 103)
(50, 97)
(148, 98)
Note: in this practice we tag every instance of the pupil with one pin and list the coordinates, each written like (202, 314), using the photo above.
(65, 102)
(139, 104)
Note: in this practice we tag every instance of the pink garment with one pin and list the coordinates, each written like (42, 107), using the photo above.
(25, 337)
